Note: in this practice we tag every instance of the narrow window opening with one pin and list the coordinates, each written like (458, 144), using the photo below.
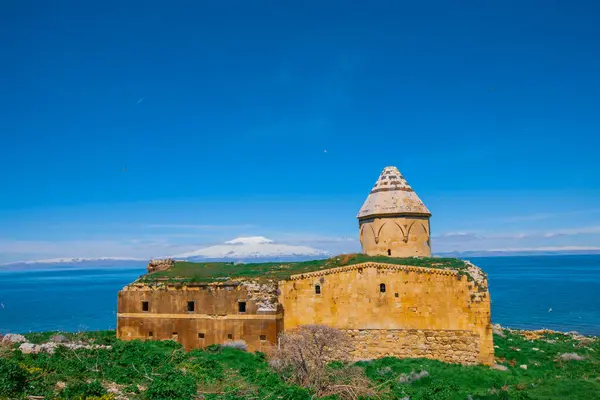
(191, 306)
(242, 306)
(389, 252)
(150, 334)
(382, 287)
(145, 306)
(230, 336)
(263, 337)
(201, 335)
(318, 289)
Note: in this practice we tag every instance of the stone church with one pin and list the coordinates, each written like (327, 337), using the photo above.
(394, 300)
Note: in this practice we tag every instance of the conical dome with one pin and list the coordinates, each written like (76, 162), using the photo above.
(392, 195)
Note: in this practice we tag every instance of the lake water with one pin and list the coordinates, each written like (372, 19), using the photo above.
(556, 292)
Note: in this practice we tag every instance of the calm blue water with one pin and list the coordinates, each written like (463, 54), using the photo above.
(523, 290)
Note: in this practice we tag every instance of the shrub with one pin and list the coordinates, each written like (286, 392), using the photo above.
(13, 378)
(316, 356)
(438, 390)
(172, 384)
(83, 390)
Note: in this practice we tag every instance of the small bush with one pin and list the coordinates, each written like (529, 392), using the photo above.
(13, 378)
(316, 357)
(172, 384)
(438, 390)
(83, 390)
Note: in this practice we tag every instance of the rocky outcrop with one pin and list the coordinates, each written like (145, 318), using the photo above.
(478, 275)
(160, 265)
(50, 347)
(59, 339)
(12, 338)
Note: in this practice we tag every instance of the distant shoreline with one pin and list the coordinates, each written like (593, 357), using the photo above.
(21, 265)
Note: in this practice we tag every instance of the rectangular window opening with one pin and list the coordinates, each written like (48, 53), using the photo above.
(201, 335)
(174, 334)
(242, 306)
(150, 334)
(145, 306)
(263, 337)
(318, 289)
(229, 336)
(191, 306)
(395, 294)
(382, 287)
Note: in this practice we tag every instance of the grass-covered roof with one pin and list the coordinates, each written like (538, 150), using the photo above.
(224, 271)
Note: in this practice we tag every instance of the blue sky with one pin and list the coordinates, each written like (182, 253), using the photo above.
(237, 118)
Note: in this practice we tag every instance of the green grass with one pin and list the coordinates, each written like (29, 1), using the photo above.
(162, 370)
(219, 271)
(95, 337)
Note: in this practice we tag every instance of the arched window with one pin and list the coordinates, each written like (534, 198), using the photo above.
(382, 287)
(318, 289)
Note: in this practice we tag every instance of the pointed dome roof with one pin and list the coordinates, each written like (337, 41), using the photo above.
(392, 195)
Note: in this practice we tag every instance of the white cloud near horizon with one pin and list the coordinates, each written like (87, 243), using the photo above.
(200, 227)
(477, 235)
(550, 248)
(585, 237)
(543, 216)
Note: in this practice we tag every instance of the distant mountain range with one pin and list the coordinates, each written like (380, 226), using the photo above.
(76, 263)
(519, 252)
(244, 249)
(261, 249)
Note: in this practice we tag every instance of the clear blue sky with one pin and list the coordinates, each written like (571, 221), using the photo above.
(269, 118)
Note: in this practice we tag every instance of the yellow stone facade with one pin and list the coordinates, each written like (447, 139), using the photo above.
(196, 315)
(396, 236)
(394, 310)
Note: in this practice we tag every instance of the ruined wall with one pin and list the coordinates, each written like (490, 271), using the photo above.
(216, 317)
(407, 236)
(160, 265)
(421, 312)
(448, 346)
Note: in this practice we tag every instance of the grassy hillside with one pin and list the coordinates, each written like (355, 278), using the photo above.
(162, 370)
(210, 272)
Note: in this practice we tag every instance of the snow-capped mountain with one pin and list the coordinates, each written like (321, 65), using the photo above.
(256, 247)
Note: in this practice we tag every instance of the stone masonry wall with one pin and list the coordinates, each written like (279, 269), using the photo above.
(449, 346)
(406, 236)
(149, 312)
(377, 297)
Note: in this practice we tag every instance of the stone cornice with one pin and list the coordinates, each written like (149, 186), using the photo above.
(385, 266)
(393, 215)
(183, 285)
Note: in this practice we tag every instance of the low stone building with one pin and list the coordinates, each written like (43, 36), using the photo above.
(389, 306)
(197, 314)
